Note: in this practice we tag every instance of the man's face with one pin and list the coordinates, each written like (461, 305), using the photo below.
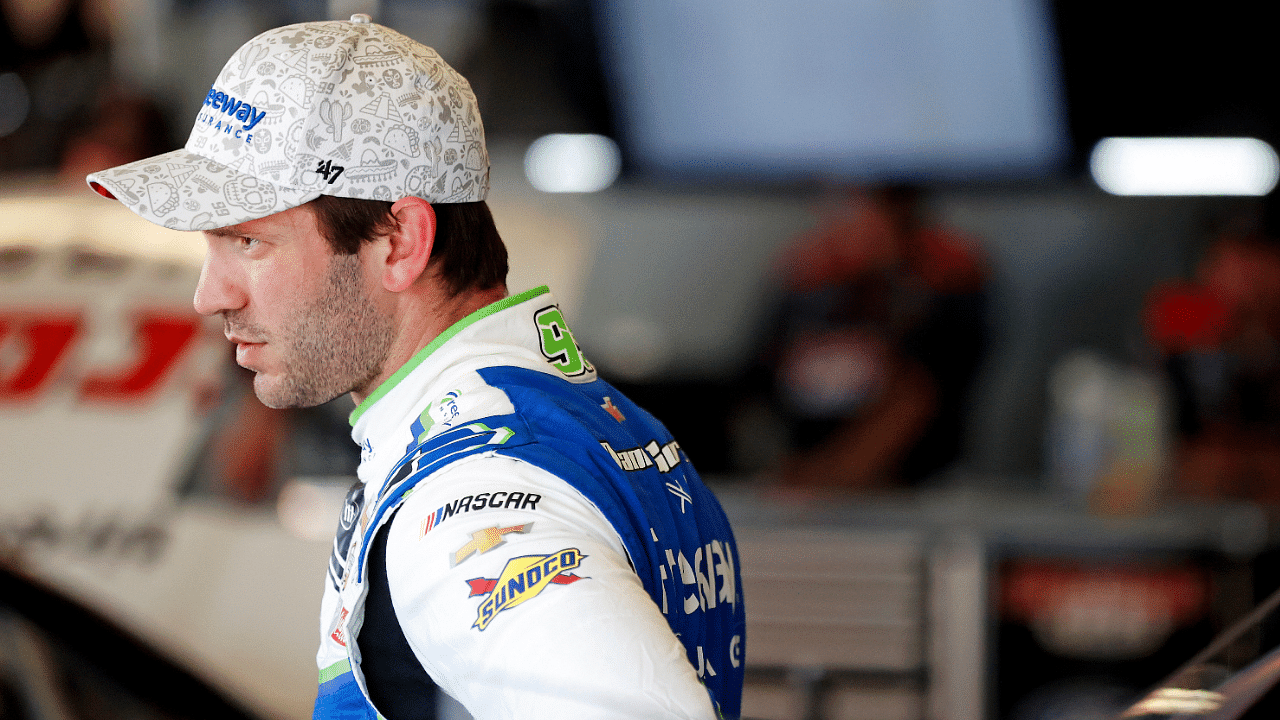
(303, 319)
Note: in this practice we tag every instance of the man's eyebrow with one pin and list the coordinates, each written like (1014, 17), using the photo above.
(228, 231)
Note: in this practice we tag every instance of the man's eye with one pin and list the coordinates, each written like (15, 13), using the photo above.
(248, 242)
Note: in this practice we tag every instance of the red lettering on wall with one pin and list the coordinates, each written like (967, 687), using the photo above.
(35, 345)
(161, 338)
(43, 342)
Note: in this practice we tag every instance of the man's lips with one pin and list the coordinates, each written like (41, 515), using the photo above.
(245, 348)
(242, 340)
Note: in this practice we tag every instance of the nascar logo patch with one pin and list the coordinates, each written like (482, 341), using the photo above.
(523, 579)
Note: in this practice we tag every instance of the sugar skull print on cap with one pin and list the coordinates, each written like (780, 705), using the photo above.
(345, 108)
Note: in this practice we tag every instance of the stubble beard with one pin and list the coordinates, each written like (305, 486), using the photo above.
(334, 345)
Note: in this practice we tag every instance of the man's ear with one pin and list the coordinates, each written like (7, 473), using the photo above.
(409, 244)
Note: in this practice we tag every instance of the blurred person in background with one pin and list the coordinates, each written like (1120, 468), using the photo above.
(120, 127)
(522, 536)
(61, 109)
(1219, 333)
(878, 336)
(54, 57)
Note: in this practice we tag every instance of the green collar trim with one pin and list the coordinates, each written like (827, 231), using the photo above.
(335, 670)
(441, 339)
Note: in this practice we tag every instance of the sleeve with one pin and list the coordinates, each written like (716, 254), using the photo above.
(517, 596)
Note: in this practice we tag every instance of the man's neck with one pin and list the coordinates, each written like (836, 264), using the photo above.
(423, 321)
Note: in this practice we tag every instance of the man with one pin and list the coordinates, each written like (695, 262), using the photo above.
(523, 536)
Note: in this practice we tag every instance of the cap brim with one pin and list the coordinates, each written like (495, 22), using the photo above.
(186, 191)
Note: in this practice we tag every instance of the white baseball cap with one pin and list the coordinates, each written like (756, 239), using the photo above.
(351, 109)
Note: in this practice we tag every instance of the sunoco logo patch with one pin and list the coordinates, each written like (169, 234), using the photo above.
(523, 579)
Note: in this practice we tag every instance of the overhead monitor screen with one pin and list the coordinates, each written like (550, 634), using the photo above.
(835, 89)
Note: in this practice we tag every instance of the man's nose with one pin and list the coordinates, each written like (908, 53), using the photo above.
(217, 290)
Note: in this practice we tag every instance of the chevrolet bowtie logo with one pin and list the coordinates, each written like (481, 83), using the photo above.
(484, 540)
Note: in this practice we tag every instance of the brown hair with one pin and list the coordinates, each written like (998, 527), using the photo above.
(468, 253)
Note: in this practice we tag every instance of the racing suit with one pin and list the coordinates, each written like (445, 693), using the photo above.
(553, 552)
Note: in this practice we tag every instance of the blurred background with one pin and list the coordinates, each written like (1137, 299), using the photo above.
(996, 414)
